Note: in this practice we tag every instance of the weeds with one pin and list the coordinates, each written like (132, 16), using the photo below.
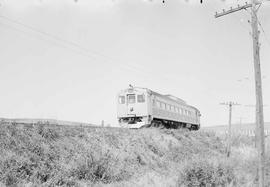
(52, 155)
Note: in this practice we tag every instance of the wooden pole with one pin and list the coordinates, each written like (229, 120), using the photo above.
(229, 135)
(259, 99)
(230, 130)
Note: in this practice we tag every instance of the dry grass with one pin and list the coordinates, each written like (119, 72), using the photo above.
(52, 155)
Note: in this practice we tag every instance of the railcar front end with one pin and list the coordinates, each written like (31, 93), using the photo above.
(133, 108)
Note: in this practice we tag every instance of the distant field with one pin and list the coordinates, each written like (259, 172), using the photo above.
(247, 128)
(35, 121)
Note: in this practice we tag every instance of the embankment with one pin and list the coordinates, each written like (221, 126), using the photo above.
(52, 155)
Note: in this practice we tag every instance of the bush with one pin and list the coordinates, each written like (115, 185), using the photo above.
(47, 131)
(206, 172)
(240, 140)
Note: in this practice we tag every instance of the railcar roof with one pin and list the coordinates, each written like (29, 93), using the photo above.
(170, 97)
(167, 96)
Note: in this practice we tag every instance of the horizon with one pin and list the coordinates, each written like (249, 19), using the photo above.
(110, 125)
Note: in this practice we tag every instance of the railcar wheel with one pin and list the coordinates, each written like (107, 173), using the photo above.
(156, 124)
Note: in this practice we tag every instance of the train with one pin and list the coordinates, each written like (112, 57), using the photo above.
(141, 107)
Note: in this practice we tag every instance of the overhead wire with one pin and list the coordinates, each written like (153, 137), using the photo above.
(259, 23)
(86, 52)
(63, 46)
(265, 35)
(71, 43)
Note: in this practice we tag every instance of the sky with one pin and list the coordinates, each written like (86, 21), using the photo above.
(68, 59)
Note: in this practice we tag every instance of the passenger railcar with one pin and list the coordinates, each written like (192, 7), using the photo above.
(142, 107)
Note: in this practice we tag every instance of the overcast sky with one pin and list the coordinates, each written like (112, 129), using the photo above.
(68, 60)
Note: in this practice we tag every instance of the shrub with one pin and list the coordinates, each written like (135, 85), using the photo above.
(105, 168)
(206, 172)
(48, 131)
(239, 140)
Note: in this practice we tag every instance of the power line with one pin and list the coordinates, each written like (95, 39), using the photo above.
(64, 46)
(88, 53)
(265, 35)
(71, 43)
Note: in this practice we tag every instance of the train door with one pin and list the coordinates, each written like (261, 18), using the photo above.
(131, 100)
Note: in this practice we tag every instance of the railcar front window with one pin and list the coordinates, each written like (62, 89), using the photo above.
(140, 98)
(131, 98)
(122, 99)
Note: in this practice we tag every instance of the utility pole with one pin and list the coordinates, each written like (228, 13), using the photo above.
(256, 132)
(240, 120)
(258, 82)
(229, 136)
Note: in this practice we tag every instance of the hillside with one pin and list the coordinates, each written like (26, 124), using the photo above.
(51, 155)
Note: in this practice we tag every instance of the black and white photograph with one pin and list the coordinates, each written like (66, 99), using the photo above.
(135, 93)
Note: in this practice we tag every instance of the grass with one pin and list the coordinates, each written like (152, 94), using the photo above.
(50, 155)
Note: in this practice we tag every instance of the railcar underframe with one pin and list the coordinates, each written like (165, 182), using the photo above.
(156, 122)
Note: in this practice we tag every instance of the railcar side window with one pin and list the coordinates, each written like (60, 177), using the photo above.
(140, 98)
(131, 98)
(121, 99)
(163, 105)
(158, 104)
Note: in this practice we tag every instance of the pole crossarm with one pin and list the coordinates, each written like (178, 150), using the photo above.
(232, 10)
(229, 103)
